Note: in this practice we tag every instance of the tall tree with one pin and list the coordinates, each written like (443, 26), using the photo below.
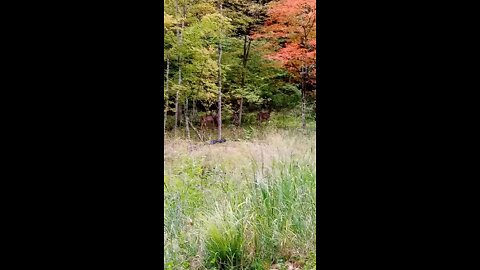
(165, 97)
(219, 113)
(246, 15)
(168, 23)
(246, 51)
(291, 26)
(179, 36)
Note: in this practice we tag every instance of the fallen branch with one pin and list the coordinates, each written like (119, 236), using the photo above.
(198, 134)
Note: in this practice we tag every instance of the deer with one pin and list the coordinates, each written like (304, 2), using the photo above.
(263, 116)
(209, 120)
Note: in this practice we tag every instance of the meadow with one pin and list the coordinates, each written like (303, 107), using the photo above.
(248, 203)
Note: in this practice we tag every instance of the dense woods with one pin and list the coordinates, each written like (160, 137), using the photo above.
(239, 124)
(226, 58)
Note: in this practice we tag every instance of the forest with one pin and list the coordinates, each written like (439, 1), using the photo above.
(239, 124)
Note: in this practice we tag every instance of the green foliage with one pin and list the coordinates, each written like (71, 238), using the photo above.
(246, 15)
(198, 51)
(199, 10)
(253, 78)
(286, 97)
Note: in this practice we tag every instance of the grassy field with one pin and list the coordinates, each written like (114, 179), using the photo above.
(248, 203)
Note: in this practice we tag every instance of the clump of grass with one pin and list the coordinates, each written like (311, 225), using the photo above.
(223, 238)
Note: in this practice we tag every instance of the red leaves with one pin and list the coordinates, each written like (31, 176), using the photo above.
(283, 10)
(286, 17)
(290, 52)
(293, 57)
(293, 23)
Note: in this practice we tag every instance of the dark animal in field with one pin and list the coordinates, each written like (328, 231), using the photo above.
(236, 119)
(209, 120)
(263, 116)
(217, 141)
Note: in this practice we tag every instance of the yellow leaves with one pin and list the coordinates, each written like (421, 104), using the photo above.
(202, 9)
(215, 22)
(168, 20)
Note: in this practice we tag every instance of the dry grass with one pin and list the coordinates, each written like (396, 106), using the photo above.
(211, 206)
(238, 156)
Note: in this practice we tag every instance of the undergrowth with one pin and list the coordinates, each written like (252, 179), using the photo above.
(241, 205)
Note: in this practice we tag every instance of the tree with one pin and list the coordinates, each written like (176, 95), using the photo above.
(168, 21)
(209, 48)
(219, 113)
(290, 27)
(245, 15)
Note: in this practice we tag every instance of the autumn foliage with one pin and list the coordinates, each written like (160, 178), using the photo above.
(291, 29)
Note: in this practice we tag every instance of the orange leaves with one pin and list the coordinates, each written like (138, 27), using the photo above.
(287, 17)
(284, 10)
(291, 26)
(291, 14)
(293, 57)
(290, 52)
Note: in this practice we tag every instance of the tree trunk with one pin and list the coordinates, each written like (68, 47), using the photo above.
(240, 112)
(176, 113)
(179, 35)
(180, 115)
(187, 128)
(304, 125)
(165, 122)
(246, 50)
(176, 97)
(219, 114)
(166, 99)
(194, 109)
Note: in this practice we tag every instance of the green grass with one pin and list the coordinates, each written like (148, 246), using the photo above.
(245, 204)
(251, 129)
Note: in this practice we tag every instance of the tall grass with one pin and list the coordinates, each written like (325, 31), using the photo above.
(241, 205)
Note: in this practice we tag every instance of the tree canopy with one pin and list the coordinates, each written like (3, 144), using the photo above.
(259, 54)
